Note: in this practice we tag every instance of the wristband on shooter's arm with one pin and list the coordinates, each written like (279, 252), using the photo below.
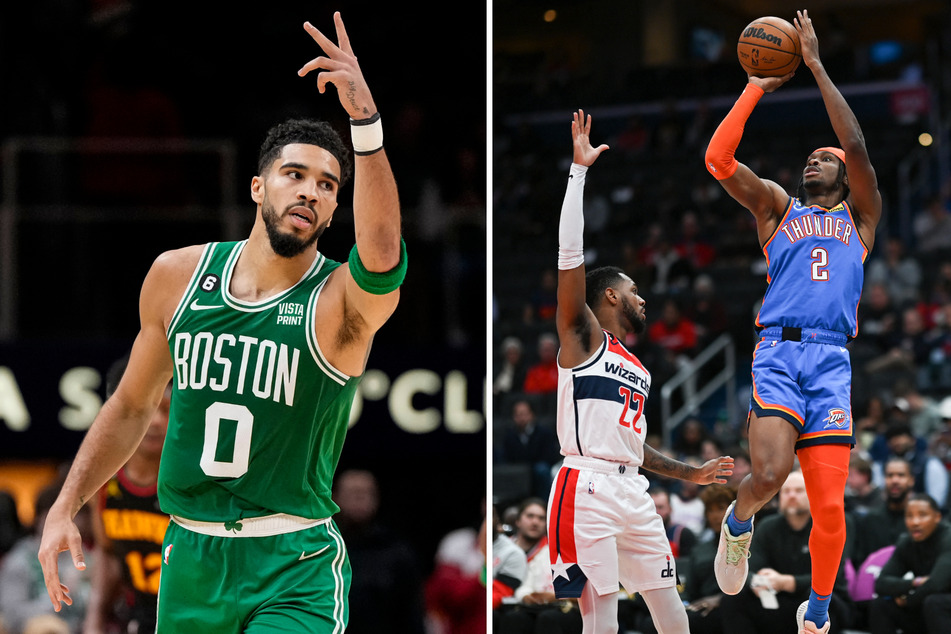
(378, 283)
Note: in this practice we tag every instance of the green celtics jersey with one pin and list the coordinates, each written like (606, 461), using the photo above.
(258, 415)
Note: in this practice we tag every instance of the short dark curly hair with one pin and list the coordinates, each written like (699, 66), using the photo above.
(599, 280)
(310, 132)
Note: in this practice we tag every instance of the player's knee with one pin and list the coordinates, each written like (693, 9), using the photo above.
(830, 510)
(766, 482)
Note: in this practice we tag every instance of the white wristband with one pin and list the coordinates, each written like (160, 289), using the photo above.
(367, 135)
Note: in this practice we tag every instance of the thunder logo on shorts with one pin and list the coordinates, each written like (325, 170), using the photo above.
(838, 418)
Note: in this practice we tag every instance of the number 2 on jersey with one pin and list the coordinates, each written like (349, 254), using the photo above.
(633, 408)
(820, 260)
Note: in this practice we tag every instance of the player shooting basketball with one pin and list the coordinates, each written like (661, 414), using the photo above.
(815, 246)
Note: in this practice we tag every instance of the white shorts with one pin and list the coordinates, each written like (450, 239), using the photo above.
(603, 528)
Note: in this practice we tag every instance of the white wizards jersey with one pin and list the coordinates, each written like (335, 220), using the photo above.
(601, 405)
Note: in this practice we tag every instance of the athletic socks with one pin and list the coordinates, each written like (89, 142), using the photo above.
(818, 610)
(737, 527)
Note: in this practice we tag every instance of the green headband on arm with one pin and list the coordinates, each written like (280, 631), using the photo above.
(378, 283)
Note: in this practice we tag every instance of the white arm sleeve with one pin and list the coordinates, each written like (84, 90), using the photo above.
(571, 226)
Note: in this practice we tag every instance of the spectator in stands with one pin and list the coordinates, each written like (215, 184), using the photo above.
(509, 565)
(929, 473)
(742, 466)
(542, 377)
(936, 376)
(914, 586)
(456, 589)
(897, 270)
(686, 507)
(689, 438)
(707, 311)
(23, 595)
(940, 441)
(673, 331)
(861, 493)
(871, 422)
(510, 376)
(878, 318)
(527, 442)
(780, 563)
(700, 588)
(882, 525)
(932, 226)
(667, 270)
(711, 448)
(536, 595)
(386, 591)
(677, 336)
(906, 348)
(691, 246)
(544, 298)
(919, 410)
(681, 538)
(531, 535)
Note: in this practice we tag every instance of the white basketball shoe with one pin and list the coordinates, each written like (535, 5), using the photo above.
(808, 627)
(730, 565)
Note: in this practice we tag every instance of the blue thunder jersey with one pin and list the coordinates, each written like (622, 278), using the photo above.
(258, 415)
(815, 270)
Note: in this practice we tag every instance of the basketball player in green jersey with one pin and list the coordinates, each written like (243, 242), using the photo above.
(264, 341)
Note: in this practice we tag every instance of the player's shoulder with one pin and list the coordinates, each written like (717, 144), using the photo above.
(179, 259)
(171, 270)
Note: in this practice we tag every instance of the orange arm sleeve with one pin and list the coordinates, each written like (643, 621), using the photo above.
(719, 157)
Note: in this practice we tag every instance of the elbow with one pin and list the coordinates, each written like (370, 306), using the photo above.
(720, 165)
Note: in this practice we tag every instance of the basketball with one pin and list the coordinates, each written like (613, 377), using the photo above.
(769, 47)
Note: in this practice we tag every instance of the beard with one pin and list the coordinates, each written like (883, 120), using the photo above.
(638, 322)
(287, 245)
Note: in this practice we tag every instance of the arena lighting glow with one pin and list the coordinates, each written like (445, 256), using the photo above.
(925, 139)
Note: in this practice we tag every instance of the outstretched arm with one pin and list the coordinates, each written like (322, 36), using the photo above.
(765, 199)
(714, 470)
(863, 184)
(376, 208)
(577, 326)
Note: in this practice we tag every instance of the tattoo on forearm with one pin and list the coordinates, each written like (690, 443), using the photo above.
(664, 465)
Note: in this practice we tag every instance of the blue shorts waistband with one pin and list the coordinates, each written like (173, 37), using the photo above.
(808, 335)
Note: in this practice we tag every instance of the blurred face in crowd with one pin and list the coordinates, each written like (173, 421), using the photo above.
(531, 522)
(901, 444)
(714, 512)
(662, 503)
(522, 415)
(898, 480)
(921, 519)
(792, 496)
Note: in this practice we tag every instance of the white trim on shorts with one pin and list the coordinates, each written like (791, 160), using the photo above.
(265, 526)
(600, 466)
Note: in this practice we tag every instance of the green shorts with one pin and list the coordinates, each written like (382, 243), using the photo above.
(253, 581)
